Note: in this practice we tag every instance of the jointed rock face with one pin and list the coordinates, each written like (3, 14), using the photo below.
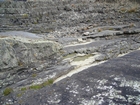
(69, 52)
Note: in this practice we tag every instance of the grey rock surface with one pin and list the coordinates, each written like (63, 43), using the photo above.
(54, 14)
(116, 81)
(19, 54)
(19, 33)
(74, 36)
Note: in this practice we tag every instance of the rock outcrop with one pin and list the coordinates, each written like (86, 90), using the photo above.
(17, 53)
(91, 32)
(41, 16)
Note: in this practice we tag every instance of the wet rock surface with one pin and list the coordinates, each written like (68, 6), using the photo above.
(75, 57)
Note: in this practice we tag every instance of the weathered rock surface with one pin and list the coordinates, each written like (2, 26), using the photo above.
(90, 33)
(116, 81)
(18, 54)
(56, 14)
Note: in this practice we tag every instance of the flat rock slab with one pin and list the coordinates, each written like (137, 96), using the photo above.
(94, 44)
(115, 82)
(19, 34)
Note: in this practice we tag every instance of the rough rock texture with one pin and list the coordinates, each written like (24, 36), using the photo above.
(25, 52)
(116, 82)
(45, 17)
(21, 53)
(91, 32)
(30, 16)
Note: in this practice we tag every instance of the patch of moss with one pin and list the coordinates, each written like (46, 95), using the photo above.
(50, 81)
(81, 58)
(62, 51)
(132, 10)
(49, 30)
(25, 16)
(111, 29)
(122, 10)
(3, 36)
(35, 22)
(34, 75)
(36, 87)
(39, 86)
(88, 20)
(99, 30)
(131, 25)
(20, 94)
(20, 63)
(7, 91)
(70, 55)
(23, 89)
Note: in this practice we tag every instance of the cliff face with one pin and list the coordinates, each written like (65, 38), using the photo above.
(17, 53)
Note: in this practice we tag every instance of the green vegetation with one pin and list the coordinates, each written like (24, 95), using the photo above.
(111, 29)
(25, 16)
(34, 75)
(35, 22)
(132, 10)
(49, 30)
(39, 86)
(62, 51)
(132, 25)
(3, 36)
(20, 63)
(36, 86)
(20, 94)
(70, 55)
(50, 81)
(7, 91)
(123, 10)
(126, 6)
(99, 30)
(81, 58)
(23, 89)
